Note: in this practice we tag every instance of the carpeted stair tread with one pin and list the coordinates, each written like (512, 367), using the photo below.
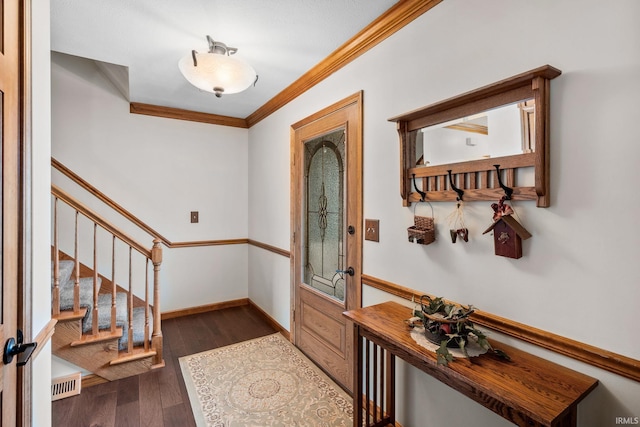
(138, 329)
(104, 312)
(67, 285)
(86, 293)
(65, 268)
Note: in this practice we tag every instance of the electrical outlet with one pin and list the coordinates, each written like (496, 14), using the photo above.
(372, 229)
(194, 217)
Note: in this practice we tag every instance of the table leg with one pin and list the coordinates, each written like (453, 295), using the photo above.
(357, 373)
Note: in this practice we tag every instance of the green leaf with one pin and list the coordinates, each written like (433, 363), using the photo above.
(462, 343)
(482, 342)
(501, 354)
(443, 354)
(482, 339)
(449, 310)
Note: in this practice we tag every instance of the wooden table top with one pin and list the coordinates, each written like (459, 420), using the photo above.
(534, 387)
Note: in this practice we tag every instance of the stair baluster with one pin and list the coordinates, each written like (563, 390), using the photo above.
(130, 305)
(113, 288)
(56, 262)
(76, 268)
(95, 325)
(146, 305)
(143, 349)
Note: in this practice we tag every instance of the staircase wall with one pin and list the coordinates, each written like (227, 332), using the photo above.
(160, 170)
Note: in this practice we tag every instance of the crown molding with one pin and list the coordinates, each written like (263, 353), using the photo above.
(399, 15)
(395, 18)
(180, 114)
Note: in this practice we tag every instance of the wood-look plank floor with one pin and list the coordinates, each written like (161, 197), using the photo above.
(159, 398)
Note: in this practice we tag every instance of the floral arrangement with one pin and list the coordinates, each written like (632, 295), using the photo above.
(449, 326)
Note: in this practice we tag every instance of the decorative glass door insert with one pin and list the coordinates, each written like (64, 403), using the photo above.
(324, 165)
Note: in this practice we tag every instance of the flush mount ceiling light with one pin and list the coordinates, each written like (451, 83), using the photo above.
(217, 71)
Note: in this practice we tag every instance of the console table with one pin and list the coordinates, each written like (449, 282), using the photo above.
(527, 390)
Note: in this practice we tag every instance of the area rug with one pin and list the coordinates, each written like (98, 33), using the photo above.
(262, 382)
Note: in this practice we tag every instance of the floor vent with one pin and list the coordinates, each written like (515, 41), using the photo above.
(66, 386)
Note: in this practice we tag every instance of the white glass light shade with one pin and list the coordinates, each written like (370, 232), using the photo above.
(217, 73)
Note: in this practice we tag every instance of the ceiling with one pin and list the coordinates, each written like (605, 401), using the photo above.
(281, 39)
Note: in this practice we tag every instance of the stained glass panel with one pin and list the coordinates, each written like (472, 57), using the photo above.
(324, 218)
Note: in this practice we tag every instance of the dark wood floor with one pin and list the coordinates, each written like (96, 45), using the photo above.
(159, 398)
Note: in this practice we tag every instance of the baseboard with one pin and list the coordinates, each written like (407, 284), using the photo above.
(378, 411)
(227, 304)
(271, 320)
(204, 308)
(92, 379)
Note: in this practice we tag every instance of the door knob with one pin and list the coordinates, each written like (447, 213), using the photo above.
(350, 271)
(14, 347)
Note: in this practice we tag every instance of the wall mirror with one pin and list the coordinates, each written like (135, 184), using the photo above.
(502, 131)
(481, 145)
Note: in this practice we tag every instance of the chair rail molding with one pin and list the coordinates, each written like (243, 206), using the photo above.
(595, 356)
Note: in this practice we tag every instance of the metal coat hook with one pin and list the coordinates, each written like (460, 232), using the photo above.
(507, 190)
(423, 195)
(454, 188)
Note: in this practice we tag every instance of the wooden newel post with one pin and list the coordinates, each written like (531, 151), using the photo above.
(156, 337)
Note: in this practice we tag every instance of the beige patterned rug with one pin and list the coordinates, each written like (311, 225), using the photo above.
(262, 382)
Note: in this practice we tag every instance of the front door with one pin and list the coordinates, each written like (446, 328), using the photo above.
(326, 201)
(9, 194)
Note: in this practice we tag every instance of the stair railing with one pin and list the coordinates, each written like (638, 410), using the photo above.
(153, 256)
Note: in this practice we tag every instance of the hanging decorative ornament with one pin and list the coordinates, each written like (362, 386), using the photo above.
(423, 231)
(507, 232)
(456, 222)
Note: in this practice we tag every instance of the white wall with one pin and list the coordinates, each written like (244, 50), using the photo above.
(41, 190)
(269, 217)
(581, 265)
(160, 170)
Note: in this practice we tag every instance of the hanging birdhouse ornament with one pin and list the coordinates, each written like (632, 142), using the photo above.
(508, 233)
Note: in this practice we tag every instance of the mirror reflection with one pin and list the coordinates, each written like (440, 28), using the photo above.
(502, 131)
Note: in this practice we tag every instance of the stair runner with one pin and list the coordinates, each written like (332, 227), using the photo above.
(104, 306)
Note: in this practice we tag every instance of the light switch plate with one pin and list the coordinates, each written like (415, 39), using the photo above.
(194, 217)
(372, 230)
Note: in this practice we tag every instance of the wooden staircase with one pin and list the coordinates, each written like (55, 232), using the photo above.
(98, 353)
(105, 329)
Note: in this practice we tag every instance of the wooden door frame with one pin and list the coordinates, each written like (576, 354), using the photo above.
(16, 216)
(24, 404)
(296, 239)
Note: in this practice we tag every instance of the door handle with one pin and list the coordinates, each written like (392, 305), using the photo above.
(350, 271)
(14, 347)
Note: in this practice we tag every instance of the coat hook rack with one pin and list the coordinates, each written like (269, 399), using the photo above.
(454, 188)
(423, 195)
(507, 190)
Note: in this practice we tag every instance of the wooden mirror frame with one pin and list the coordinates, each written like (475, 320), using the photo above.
(479, 179)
